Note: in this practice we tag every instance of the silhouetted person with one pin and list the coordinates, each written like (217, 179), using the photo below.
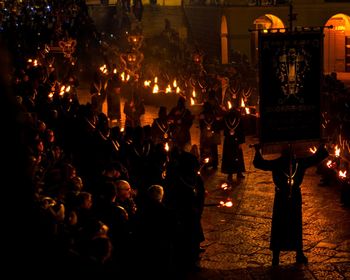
(288, 173)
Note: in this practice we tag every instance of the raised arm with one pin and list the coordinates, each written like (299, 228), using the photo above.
(261, 163)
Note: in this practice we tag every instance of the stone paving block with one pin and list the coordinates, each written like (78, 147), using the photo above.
(326, 245)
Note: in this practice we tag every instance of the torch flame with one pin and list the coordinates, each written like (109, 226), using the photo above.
(175, 84)
(156, 80)
(192, 101)
(115, 71)
(342, 174)
(147, 83)
(329, 164)
(227, 204)
(242, 103)
(247, 110)
(194, 93)
(168, 89)
(50, 94)
(30, 60)
(229, 104)
(155, 89)
(122, 75)
(62, 90)
(224, 186)
(68, 89)
(127, 77)
(337, 151)
(122, 129)
(166, 147)
(35, 63)
(178, 90)
(206, 160)
(313, 149)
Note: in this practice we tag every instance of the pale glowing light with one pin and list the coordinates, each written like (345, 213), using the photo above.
(247, 110)
(329, 164)
(68, 89)
(166, 147)
(62, 90)
(103, 69)
(337, 151)
(147, 83)
(242, 103)
(156, 80)
(122, 75)
(229, 104)
(265, 31)
(313, 149)
(35, 63)
(115, 71)
(51, 95)
(340, 28)
(175, 84)
(192, 101)
(206, 160)
(127, 77)
(30, 60)
(168, 89)
(155, 89)
(122, 129)
(342, 174)
(178, 90)
(227, 204)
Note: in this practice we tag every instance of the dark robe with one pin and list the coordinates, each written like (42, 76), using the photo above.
(286, 230)
(209, 137)
(161, 131)
(232, 154)
(182, 120)
(133, 113)
(113, 98)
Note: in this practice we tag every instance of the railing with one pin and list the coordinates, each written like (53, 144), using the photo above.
(252, 3)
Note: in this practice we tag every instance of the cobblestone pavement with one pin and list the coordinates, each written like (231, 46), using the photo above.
(237, 238)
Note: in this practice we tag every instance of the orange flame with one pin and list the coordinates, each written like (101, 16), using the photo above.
(247, 110)
(206, 160)
(122, 75)
(168, 89)
(242, 103)
(155, 89)
(313, 149)
(68, 89)
(175, 84)
(178, 90)
(194, 93)
(50, 94)
(156, 80)
(166, 147)
(337, 151)
(342, 174)
(229, 104)
(192, 101)
(227, 204)
(147, 83)
(224, 186)
(329, 164)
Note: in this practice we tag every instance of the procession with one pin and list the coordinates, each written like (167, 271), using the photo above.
(133, 156)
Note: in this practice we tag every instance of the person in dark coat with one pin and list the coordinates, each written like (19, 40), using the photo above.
(185, 195)
(161, 130)
(113, 97)
(182, 119)
(133, 110)
(288, 173)
(209, 136)
(98, 92)
(232, 153)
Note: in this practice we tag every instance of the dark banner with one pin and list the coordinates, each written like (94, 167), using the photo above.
(290, 84)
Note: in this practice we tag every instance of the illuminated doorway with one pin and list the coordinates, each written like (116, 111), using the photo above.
(337, 44)
(224, 41)
(264, 22)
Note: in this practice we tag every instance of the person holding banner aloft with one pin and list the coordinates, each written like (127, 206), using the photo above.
(288, 173)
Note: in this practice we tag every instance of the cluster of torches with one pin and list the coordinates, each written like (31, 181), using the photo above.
(334, 162)
(171, 88)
